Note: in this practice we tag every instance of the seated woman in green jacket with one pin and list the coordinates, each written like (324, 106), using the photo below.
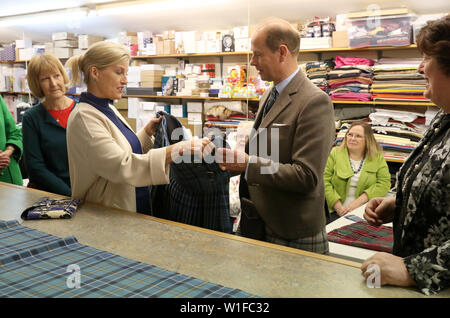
(355, 172)
(44, 126)
(10, 147)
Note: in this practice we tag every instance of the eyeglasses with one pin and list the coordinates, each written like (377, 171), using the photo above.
(352, 135)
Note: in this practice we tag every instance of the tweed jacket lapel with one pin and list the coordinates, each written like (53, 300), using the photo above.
(282, 102)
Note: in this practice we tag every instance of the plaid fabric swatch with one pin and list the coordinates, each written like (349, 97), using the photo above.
(42, 270)
(353, 217)
(362, 234)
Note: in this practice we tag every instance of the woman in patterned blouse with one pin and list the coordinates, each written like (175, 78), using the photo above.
(420, 212)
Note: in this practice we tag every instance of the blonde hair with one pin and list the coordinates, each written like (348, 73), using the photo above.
(372, 146)
(100, 55)
(40, 64)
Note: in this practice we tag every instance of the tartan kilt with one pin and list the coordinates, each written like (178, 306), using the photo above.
(317, 243)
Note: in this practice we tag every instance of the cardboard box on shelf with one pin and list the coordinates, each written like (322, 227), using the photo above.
(242, 45)
(195, 117)
(194, 107)
(63, 52)
(151, 84)
(24, 44)
(169, 35)
(63, 36)
(340, 39)
(86, 40)
(178, 110)
(26, 54)
(240, 32)
(159, 43)
(315, 43)
(169, 46)
(78, 51)
(49, 47)
(65, 43)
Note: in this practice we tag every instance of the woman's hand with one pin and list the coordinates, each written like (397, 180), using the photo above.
(198, 147)
(380, 210)
(5, 158)
(340, 209)
(152, 126)
(391, 268)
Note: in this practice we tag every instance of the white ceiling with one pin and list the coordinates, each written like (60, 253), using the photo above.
(187, 15)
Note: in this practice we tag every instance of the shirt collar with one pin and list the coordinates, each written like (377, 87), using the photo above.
(90, 98)
(282, 85)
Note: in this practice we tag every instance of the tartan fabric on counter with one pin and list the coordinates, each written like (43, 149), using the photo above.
(36, 264)
(362, 234)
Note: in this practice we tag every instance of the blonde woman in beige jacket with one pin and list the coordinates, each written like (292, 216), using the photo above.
(108, 162)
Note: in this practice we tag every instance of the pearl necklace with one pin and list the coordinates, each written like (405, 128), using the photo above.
(360, 165)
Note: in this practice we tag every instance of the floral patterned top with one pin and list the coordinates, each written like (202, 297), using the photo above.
(422, 214)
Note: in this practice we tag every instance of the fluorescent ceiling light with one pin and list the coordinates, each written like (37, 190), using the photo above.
(68, 15)
(137, 7)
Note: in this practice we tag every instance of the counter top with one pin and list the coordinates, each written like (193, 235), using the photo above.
(260, 268)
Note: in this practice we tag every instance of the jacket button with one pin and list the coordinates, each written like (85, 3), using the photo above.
(417, 167)
(436, 130)
(425, 147)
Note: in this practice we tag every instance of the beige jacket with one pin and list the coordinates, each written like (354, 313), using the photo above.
(103, 168)
(291, 200)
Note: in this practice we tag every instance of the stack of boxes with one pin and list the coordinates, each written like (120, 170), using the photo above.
(130, 40)
(151, 75)
(318, 34)
(241, 39)
(169, 42)
(85, 41)
(64, 44)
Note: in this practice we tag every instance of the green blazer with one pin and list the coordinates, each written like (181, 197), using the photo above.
(375, 179)
(10, 134)
(45, 151)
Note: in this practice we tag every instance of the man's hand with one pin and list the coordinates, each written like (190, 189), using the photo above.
(232, 159)
(380, 210)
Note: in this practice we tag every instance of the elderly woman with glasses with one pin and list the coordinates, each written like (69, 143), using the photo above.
(356, 171)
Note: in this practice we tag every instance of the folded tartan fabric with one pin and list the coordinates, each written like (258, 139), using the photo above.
(362, 234)
(47, 208)
(36, 264)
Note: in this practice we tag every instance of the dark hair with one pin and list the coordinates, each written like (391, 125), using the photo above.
(277, 35)
(434, 41)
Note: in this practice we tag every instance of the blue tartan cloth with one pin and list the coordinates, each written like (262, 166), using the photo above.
(198, 192)
(35, 264)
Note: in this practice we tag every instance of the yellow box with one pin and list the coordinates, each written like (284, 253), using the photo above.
(340, 39)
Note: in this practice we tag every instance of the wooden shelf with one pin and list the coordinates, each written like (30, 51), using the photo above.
(18, 61)
(375, 103)
(218, 54)
(334, 49)
(191, 97)
(370, 48)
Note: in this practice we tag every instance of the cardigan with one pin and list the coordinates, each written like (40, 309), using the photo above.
(103, 168)
(102, 104)
(45, 151)
(10, 134)
(422, 209)
(375, 179)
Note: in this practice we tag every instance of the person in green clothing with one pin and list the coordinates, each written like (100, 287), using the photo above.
(44, 126)
(356, 171)
(10, 147)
